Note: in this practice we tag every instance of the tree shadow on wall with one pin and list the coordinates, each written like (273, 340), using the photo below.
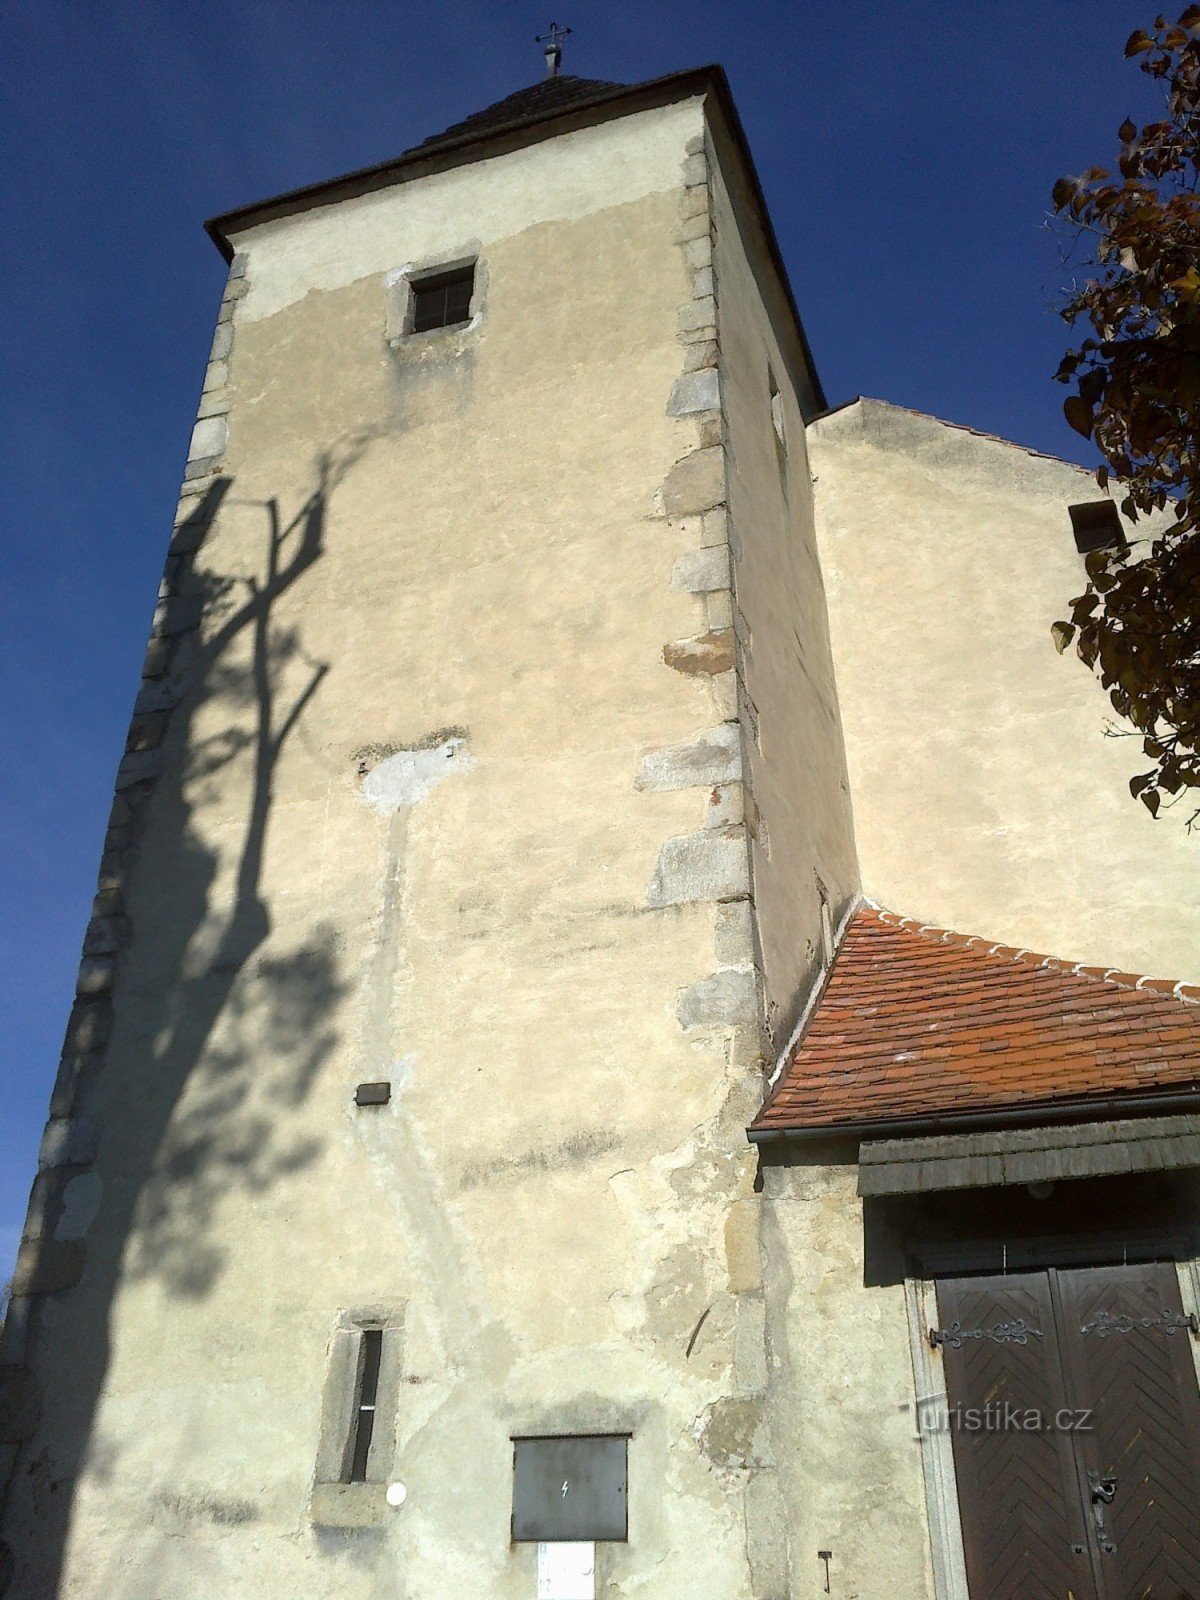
(216, 1042)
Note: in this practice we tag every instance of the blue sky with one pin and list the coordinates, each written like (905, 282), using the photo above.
(907, 153)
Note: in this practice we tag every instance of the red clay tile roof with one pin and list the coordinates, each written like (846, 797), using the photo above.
(916, 1022)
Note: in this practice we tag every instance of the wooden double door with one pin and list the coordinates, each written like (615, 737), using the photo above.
(1074, 1413)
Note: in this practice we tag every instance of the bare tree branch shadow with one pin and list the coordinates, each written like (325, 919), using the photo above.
(224, 1035)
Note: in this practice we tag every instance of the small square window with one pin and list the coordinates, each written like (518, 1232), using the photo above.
(443, 300)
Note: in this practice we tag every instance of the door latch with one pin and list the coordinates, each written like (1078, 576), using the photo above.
(1103, 1488)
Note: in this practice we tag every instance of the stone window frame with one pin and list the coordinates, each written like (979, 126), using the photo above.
(401, 300)
(335, 1501)
(943, 1525)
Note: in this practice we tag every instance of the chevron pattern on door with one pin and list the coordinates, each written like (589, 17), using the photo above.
(1102, 1500)
(1022, 1522)
(1127, 1352)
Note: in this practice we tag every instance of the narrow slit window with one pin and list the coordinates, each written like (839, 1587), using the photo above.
(366, 1390)
(443, 300)
(781, 455)
(776, 410)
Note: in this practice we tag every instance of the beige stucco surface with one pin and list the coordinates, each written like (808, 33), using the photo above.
(841, 1390)
(987, 796)
(452, 548)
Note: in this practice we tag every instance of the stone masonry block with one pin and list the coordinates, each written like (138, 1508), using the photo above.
(156, 694)
(714, 526)
(726, 806)
(157, 659)
(734, 939)
(146, 731)
(179, 614)
(71, 1069)
(728, 999)
(695, 391)
(716, 757)
(47, 1266)
(700, 313)
(696, 483)
(139, 766)
(215, 403)
(88, 1028)
(724, 693)
(209, 438)
(217, 376)
(68, 1142)
(718, 609)
(701, 571)
(707, 653)
(703, 284)
(711, 865)
(237, 267)
(222, 343)
(696, 223)
(14, 1343)
(105, 936)
(80, 1203)
(695, 169)
(701, 354)
(95, 976)
(698, 252)
(695, 203)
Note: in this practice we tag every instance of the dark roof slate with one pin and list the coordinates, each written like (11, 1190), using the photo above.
(546, 99)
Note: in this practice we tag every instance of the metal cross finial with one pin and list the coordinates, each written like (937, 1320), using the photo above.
(554, 43)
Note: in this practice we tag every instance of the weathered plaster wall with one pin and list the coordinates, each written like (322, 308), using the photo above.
(840, 1391)
(420, 789)
(987, 797)
(798, 798)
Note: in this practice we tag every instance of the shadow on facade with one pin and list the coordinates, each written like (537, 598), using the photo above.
(214, 1037)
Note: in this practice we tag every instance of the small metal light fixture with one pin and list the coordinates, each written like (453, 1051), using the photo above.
(372, 1094)
(826, 1556)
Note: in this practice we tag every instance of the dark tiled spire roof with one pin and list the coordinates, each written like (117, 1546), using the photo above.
(545, 99)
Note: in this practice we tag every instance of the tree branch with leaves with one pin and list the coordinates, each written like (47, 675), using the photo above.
(1136, 381)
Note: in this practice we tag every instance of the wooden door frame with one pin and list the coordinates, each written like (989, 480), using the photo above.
(931, 1260)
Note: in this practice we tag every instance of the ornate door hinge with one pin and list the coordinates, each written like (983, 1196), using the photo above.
(1017, 1331)
(1104, 1323)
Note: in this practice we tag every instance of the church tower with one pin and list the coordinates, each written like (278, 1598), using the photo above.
(482, 829)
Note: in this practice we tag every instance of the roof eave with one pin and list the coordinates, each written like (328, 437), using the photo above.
(1079, 1109)
(419, 161)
